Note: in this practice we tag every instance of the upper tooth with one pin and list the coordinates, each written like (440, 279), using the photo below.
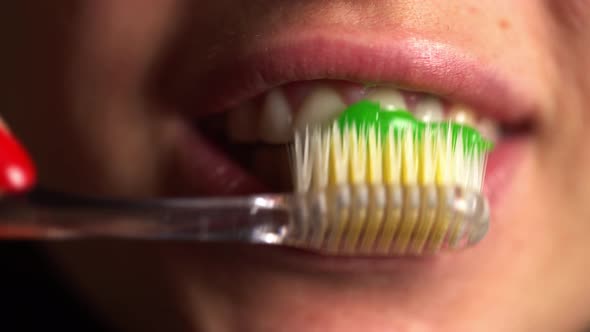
(429, 109)
(242, 123)
(462, 114)
(275, 123)
(390, 99)
(321, 105)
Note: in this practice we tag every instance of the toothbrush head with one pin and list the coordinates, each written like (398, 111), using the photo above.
(380, 182)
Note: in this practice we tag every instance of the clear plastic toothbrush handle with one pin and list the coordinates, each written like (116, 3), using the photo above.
(348, 220)
(51, 215)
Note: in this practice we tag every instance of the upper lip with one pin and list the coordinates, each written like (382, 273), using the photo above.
(407, 62)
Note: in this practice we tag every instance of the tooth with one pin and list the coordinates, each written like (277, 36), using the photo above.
(462, 114)
(321, 105)
(242, 123)
(429, 109)
(488, 129)
(275, 123)
(389, 98)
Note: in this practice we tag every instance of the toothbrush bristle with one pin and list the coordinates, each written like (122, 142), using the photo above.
(400, 183)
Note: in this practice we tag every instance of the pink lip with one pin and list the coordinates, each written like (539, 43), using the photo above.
(411, 63)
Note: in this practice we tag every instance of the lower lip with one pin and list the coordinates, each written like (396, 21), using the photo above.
(206, 171)
(502, 166)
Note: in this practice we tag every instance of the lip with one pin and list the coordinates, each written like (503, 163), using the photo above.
(407, 62)
(410, 63)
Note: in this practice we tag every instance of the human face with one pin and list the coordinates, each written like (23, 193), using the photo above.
(106, 99)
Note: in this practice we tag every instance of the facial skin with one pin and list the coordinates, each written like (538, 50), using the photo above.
(85, 99)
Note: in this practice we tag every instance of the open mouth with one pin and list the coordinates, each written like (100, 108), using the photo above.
(257, 133)
(243, 118)
(245, 114)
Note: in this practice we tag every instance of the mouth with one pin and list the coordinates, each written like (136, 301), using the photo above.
(243, 115)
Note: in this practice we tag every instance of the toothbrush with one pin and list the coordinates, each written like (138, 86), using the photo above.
(371, 182)
(387, 183)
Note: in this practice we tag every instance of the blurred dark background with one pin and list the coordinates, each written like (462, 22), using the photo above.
(33, 297)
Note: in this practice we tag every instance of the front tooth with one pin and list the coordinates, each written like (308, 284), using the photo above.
(323, 104)
(275, 123)
(429, 109)
(242, 123)
(390, 99)
(462, 114)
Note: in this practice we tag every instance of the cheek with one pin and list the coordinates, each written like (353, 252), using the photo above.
(118, 41)
(560, 186)
(121, 131)
(94, 131)
(564, 149)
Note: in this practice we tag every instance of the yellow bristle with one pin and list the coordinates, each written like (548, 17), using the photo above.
(409, 170)
(426, 160)
(357, 163)
(373, 167)
(392, 161)
(374, 157)
(332, 156)
(442, 156)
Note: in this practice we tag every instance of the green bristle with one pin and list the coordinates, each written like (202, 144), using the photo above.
(364, 114)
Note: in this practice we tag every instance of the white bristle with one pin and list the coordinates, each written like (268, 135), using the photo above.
(301, 160)
(393, 152)
(339, 154)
